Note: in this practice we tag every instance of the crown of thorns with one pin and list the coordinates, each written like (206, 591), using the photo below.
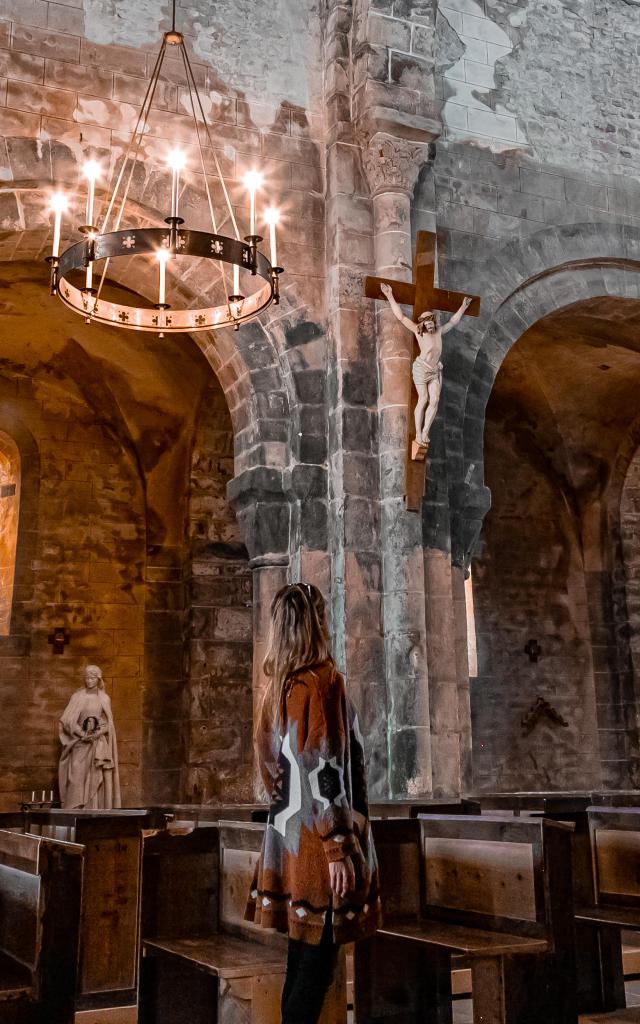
(427, 316)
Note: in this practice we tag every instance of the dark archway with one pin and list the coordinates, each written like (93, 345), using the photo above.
(549, 563)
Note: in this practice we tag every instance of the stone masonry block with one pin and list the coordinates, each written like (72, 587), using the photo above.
(44, 43)
(551, 186)
(389, 32)
(21, 67)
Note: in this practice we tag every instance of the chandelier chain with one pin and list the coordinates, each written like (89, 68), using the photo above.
(136, 138)
(213, 150)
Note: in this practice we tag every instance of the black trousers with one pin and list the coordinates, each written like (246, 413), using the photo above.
(309, 975)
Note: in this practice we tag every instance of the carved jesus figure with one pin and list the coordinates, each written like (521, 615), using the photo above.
(427, 368)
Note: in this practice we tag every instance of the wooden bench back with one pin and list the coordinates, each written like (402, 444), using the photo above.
(496, 874)
(180, 883)
(111, 892)
(240, 845)
(615, 848)
(413, 808)
(485, 871)
(40, 894)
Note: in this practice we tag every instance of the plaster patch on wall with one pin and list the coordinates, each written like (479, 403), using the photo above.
(262, 50)
(572, 81)
(124, 23)
(471, 109)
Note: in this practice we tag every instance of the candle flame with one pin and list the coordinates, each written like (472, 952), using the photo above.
(272, 216)
(176, 160)
(92, 170)
(253, 180)
(59, 202)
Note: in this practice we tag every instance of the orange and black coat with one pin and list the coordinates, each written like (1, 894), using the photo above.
(315, 773)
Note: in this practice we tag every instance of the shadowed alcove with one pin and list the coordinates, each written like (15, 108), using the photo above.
(551, 568)
(130, 545)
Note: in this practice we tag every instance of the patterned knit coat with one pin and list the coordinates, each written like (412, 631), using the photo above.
(318, 814)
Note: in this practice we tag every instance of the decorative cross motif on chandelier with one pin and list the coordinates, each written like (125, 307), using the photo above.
(108, 241)
(423, 294)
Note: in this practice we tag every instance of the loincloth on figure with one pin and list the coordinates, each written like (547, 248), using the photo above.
(424, 372)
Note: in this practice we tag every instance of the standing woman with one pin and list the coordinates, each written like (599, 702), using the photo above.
(317, 878)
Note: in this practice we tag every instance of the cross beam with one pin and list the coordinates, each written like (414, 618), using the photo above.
(423, 294)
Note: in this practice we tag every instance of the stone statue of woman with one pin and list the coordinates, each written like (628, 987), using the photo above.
(88, 769)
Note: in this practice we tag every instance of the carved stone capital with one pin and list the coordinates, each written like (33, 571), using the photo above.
(393, 164)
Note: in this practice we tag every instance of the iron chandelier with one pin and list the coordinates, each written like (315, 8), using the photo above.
(109, 240)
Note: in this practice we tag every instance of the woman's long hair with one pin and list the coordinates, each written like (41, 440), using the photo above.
(298, 639)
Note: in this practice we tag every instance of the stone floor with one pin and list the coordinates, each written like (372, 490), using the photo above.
(463, 1008)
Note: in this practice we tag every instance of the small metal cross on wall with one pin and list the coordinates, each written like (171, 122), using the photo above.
(59, 639)
(423, 294)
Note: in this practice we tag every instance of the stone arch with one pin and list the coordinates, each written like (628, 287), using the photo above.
(251, 364)
(525, 281)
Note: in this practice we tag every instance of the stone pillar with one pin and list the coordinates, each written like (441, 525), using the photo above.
(392, 166)
(264, 514)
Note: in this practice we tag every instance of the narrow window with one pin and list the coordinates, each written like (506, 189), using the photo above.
(9, 514)
(472, 643)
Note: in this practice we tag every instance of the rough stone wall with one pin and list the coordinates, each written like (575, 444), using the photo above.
(80, 563)
(529, 584)
(516, 121)
(219, 599)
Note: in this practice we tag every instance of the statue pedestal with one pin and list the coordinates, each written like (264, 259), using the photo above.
(418, 451)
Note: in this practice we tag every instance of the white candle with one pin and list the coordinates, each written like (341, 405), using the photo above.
(50, 796)
(91, 171)
(89, 278)
(176, 161)
(253, 181)
(162, 278)
(58, 204)
(33, 796)
(236, 279)
(272, 217)
(42, 800)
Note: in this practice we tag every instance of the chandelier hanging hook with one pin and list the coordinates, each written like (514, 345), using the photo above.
(173, 37)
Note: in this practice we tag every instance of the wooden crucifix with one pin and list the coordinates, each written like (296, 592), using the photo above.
(424, 384)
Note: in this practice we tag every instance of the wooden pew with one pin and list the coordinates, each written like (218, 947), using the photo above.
(615, 848)
(111, 889)
(40, 886)
(497, 892)
(198, 951)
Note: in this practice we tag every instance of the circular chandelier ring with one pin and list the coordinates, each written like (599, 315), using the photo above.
(173, 242)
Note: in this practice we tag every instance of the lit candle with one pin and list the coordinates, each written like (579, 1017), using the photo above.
(58, 204)
(252, 181)
(236, 279)
(272, 217)
(176, 161)
(162, 256)
(91, 171)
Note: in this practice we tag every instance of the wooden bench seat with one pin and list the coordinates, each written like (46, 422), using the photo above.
(629, 1016)
(495, 893)
(224, 956)
(466, 941)
(202, 961)
(618, 917)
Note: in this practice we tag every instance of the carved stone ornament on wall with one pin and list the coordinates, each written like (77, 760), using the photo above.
(393, 164)
(541, 709)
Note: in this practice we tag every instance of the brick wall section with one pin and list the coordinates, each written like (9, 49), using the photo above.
(80, 565)
(219, 743)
